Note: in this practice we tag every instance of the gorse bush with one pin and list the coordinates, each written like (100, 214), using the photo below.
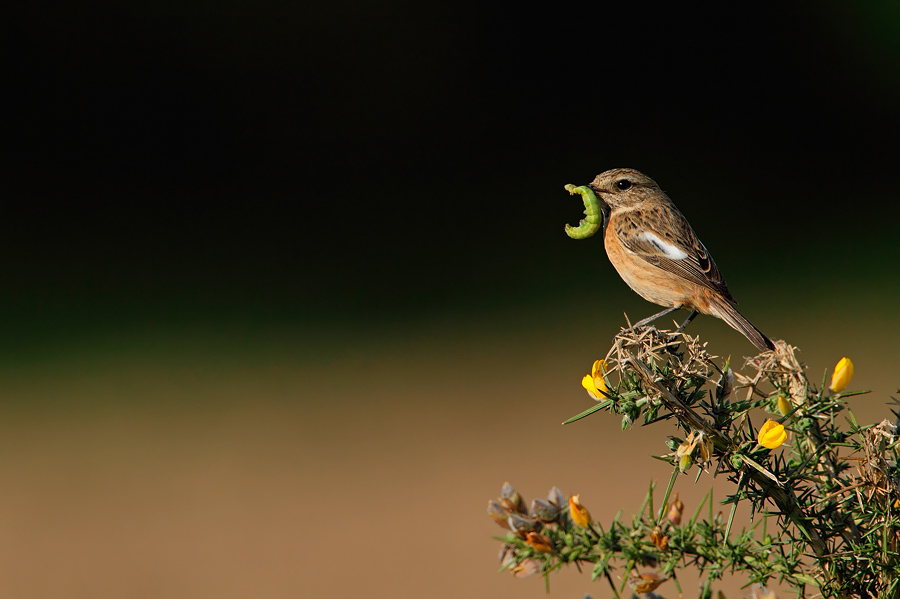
(823, 490)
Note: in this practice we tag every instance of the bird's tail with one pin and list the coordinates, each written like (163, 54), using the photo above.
(723, 309)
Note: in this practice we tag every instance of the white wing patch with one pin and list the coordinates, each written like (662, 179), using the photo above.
(671, 251)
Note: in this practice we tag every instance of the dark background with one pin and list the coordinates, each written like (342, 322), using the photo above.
(285, 294)
(370, 157)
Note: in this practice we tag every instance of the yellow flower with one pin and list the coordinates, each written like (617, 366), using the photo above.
(579, 513)
(595, 382)
(772, 434)
(843, 372)
(784, 405)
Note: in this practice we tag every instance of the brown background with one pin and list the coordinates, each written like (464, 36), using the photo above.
(334, 463)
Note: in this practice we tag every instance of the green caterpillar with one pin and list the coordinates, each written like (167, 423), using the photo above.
(593, 219)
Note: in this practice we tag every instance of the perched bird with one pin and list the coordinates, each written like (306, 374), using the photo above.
(656, 252)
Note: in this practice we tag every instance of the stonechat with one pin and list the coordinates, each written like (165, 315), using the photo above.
(655, 251)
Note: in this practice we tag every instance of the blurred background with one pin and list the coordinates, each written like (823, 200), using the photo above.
(285, 295)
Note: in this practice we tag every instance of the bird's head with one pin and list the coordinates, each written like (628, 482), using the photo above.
(624, 187)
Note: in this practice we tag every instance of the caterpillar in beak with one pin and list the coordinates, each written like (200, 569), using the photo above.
(593, 218)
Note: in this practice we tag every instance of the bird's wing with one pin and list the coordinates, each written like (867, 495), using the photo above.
(662, 236)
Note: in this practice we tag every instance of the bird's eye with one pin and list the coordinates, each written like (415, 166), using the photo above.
(623, 184)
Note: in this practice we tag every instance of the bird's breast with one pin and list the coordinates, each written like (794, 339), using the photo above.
(650, 282)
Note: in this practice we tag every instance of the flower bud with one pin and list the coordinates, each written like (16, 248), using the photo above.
(725, 385)
(843, 372)
(659, 539)
(539, 542)
(676, 509)
(685, 463)
(578, 512)
(706, 449)
(544, 510)
(498, 514)
(772, 434)
(687, 447)
(784, 406)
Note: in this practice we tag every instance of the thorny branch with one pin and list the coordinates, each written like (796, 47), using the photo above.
(836, 531)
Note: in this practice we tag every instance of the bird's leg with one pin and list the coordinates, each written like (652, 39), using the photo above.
(687, 321)
(650, 319)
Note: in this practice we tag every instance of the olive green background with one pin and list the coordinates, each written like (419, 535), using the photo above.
(285, 295)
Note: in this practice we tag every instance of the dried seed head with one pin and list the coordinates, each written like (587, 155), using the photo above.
(781, 369)
(511, 499)
(758, 591)
(498, 514)
(556, 497)
(527, 568)
(646, 583)
(521, 525)
(544, 510)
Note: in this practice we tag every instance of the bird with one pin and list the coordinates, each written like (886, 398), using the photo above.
(656, 252)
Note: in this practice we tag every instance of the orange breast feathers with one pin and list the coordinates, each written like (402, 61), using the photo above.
(652, 282)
